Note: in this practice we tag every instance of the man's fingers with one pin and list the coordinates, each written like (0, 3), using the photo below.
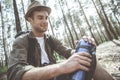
(84, 54)
(93, 41)
(81, 67)
(89, 39)
(85, 38)
(85, 58)
(85, 63)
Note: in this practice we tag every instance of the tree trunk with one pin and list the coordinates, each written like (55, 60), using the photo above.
(17, 20)
(24, 13)
(66, 31)
(3, 38)
(32, 1)
(51, 26)
(101, 40)
(71, 21)
(0, 7)
(68, 38)
(65, 21)
(102, 32)
(77, 21)
(103, 22)
(108, 23)
(117, 19)
(82, 31)
(118, 23)
(114, 15)
(110, 35)
(105, 37)
(117, 28)
(87, 22)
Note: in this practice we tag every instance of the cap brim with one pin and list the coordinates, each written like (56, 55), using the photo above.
(48, 9)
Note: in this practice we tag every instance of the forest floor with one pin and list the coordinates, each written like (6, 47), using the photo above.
(108, 54)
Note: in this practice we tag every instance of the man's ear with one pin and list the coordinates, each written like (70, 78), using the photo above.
(30, 19)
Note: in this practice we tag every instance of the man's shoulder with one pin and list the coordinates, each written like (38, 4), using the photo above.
(23, 38)
(22, 34)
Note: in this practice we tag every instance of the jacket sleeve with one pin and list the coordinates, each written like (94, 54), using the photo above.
(61, 49)
(17, 64)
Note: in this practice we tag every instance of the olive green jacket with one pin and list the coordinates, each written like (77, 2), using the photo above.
(18, 61)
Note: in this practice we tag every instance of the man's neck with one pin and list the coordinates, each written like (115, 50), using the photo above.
(38, 34)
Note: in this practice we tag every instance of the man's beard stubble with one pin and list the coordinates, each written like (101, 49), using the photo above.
(39, 30)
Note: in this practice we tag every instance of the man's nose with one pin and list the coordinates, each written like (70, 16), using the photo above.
(45, 21)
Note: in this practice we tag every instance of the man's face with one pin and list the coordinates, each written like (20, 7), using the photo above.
(39, 21)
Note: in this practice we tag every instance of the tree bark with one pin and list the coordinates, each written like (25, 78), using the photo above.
(77, 21)
(114, 14)
(90, 28)
(17, 20)
(71, 21)
(116, 27)
(108, 23)
(68, 38)
(0, 6)
(32, 1)
(51, 26)
(105, 37)
(3, 38)
(65, 21)
(24, 14)
(98, 32)
(103, 22)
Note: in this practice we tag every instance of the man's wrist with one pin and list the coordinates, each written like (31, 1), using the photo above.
(57, 69)
(62, 67)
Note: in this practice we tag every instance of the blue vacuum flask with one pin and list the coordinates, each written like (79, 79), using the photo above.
(83, 46)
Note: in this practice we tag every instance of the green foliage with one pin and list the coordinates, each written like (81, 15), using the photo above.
(58, 57)
(8, 3)
(3, 69)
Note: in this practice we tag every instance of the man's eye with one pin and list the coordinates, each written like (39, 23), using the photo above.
(46, 18)
(40, 18)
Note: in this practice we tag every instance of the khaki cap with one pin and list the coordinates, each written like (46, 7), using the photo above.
(35, 5)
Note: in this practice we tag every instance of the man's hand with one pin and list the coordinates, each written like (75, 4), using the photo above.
(76, 61)
(89, 39)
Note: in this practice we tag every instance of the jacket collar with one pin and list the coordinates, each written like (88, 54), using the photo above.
(32, 36)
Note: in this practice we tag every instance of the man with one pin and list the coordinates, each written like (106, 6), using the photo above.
(26, 66)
